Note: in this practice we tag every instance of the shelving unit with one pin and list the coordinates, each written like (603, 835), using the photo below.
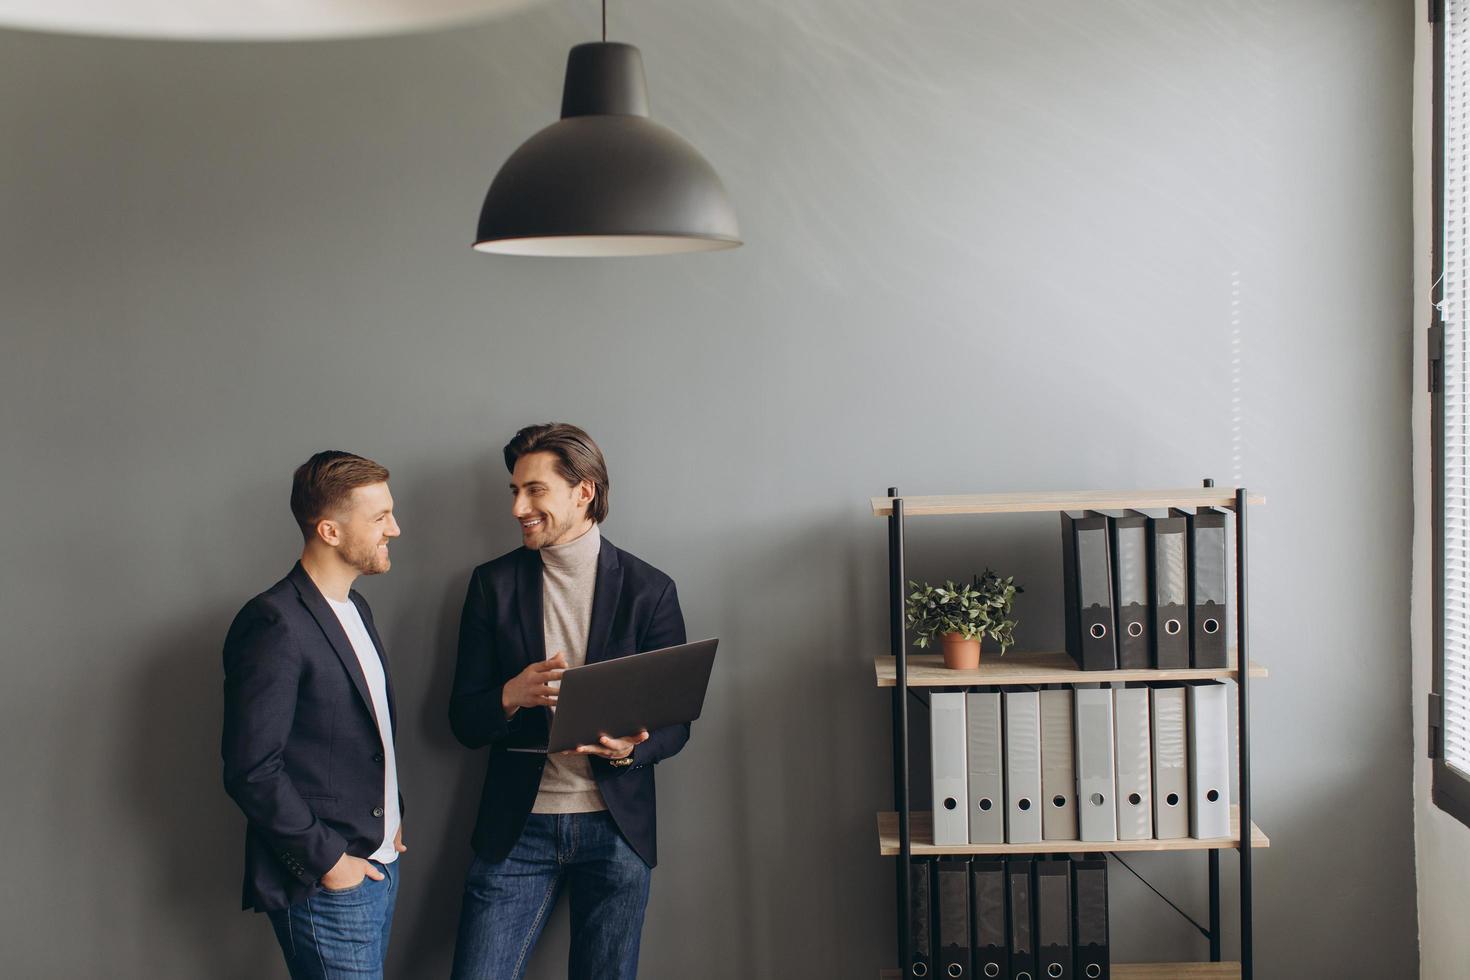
(904, 834)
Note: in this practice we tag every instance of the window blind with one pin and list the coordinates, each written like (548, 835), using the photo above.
(1455, 312)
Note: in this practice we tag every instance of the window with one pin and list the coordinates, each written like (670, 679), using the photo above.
(1449, 347)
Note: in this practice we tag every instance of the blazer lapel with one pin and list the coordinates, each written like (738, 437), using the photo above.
(528, 599)
(605, 595)
(331, 627)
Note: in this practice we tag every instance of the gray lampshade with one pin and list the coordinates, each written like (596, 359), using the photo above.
(606, 179)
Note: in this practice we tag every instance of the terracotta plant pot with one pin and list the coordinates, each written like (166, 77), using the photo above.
(960, 653)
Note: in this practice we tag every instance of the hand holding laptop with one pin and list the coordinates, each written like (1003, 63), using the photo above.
(611, 748)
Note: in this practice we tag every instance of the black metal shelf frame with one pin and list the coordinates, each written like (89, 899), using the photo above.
(898, 640)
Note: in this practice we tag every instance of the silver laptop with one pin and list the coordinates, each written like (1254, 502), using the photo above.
(622, 696)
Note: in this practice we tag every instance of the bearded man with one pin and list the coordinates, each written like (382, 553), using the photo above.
(582, 822)
(308, 740)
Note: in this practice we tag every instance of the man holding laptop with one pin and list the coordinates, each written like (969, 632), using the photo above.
(583, 819)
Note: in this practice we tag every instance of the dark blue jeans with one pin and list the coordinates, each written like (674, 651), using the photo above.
(339, 935)
(507, 903)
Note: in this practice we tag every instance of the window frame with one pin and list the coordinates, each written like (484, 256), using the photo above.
(1449, 788)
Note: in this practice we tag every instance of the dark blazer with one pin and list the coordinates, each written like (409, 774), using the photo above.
(302, 754)
(634, 609)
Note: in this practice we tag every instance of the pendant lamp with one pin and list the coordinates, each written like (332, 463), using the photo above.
(606, 180)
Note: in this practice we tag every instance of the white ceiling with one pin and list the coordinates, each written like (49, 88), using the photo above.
(258, 20)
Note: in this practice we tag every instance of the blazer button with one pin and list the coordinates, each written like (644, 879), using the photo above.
(378, 757)
(377, 811)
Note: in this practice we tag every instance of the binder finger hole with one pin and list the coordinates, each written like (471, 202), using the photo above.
(1058, 801)
(1023, 804)
(921, 969)
(1135, 629)
(1054, 969)
(1172, 627)
(1213, 796)
(1094, 971)
(985, 805)
(1135, 799)
(955, 970)
(1097, 799)
(1212, 626)
(992, 969)
(950, 803)
(1098, 631)
(1172, 799)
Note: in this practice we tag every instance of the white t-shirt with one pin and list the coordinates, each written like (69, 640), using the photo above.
(372, 669)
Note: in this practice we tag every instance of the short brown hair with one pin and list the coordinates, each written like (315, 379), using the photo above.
(577, 458)
(323, 485)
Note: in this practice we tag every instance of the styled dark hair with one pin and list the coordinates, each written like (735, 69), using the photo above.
(577, 458)
(323, 485)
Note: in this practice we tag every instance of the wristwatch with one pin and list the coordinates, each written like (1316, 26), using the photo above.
(622, 763)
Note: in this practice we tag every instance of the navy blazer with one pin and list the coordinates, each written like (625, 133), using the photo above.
(635, 608)
(302, 753)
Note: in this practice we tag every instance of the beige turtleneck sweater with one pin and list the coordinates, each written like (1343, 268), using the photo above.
(569, 577)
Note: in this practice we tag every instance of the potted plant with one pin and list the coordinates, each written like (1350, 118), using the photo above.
(962, 615)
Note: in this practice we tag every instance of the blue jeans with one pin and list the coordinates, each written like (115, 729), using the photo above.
(507, 903)
(339, 935)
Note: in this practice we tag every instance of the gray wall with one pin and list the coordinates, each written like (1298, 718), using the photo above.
(991, 246)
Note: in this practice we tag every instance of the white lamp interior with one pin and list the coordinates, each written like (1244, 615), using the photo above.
(244, 20)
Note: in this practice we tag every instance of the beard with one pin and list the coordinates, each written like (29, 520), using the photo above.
(365, 557)
(553, 532)
(544, 536)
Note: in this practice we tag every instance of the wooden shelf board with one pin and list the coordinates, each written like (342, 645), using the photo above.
(921, 832)
(1175, 971)
(1149, 971)
(1017, 668)
(1058, 500)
